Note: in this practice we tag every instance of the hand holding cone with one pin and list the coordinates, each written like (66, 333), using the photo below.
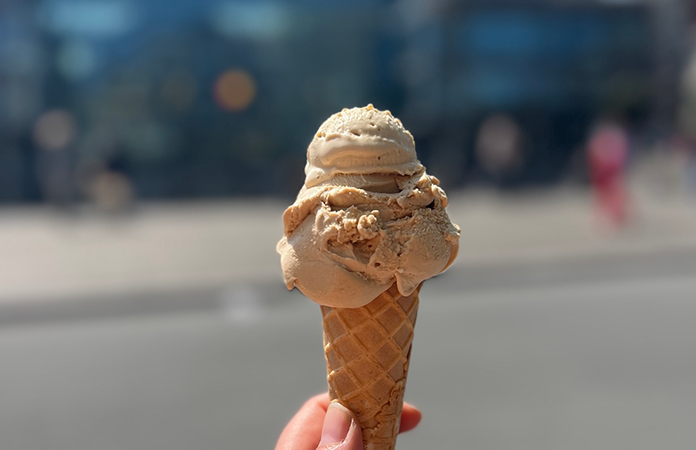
(367, 228)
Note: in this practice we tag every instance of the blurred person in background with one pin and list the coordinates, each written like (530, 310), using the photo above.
(686, 140)
(53, 135)
(607, 153)
(499, 148)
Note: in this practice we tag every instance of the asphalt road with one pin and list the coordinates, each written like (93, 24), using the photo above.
(568, 354)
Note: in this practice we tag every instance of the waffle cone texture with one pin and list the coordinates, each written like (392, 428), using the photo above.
(367, 353)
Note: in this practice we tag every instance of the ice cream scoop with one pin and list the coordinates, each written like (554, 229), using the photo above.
(360, 141)
(368, 215)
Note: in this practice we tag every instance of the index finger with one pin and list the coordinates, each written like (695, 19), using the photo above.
(303, 432)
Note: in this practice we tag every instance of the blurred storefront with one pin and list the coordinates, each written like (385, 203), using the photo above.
(111, 100)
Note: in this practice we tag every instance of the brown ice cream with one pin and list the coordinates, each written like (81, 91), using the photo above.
(368, 215)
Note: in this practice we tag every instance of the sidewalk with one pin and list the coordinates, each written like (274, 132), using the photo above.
(46, 256)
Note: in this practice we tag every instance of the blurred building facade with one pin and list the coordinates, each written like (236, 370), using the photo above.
(110, 100)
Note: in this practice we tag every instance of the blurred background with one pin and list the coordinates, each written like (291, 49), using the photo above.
(148, 150)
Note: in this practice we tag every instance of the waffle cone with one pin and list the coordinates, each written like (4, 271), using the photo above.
(367, 353)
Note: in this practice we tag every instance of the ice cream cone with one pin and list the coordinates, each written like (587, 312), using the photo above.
(368, 226)
(367, 353)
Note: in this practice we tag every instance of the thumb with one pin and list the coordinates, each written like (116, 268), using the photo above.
(341, 430)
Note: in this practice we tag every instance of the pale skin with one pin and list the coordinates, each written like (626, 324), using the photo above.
(317, 427)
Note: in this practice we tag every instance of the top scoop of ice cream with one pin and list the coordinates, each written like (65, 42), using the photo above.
(365, 225)
(360, 141)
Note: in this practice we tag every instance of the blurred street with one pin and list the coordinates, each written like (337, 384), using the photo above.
(169, 247)
(548, 333)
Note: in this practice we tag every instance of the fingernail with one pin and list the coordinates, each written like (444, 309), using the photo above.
(336, 424)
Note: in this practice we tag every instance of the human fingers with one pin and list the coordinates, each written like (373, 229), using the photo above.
(341, 430)
(303, 432)
(410, 418)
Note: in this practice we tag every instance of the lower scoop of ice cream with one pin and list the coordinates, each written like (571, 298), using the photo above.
(345, 245)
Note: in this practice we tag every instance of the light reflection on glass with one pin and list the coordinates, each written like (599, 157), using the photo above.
(257, 20)
(234, 90)
(54, 130)
(76, 59)
(88, 18)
